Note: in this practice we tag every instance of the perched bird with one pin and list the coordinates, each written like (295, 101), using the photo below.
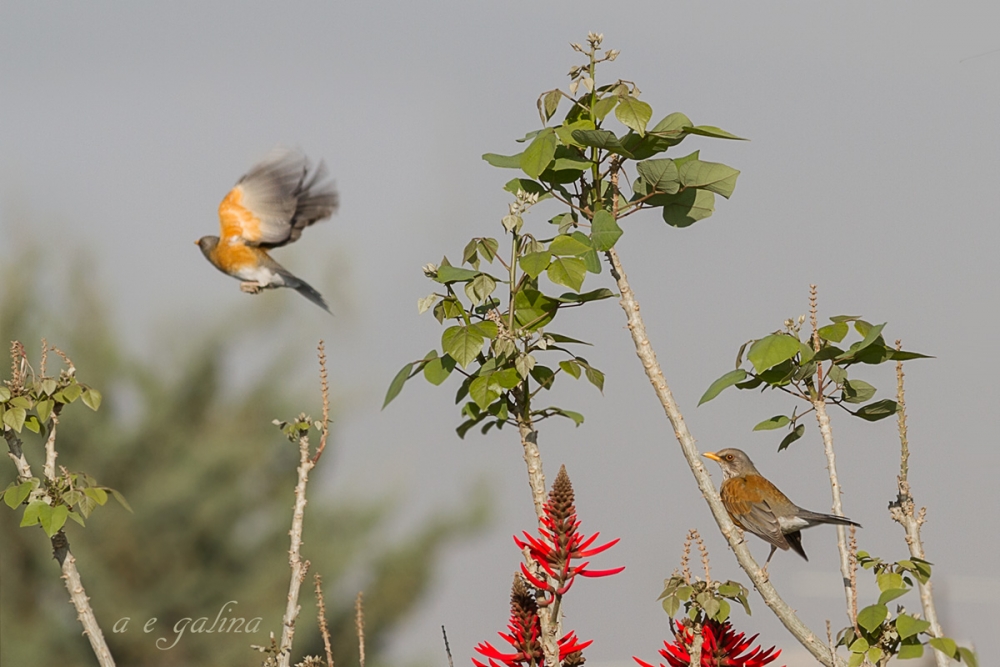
(268, 208)
(758, 507)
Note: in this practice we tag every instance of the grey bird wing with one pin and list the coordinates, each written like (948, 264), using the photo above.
(274, 201)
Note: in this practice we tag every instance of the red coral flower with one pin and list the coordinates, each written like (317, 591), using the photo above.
(560, 542)
(721, 647)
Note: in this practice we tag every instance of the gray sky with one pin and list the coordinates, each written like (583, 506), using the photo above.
(872, 172)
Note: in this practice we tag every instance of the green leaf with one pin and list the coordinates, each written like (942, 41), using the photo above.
(833, 332)
(97, 494)
(32, 511)
(486, 329)
(910, 651)
(481, 392)
(568, 245)
(837, 374)
(70, 393)
(571, 367)
(671, 123)
(568, 271)
(604, 231)
(32, 424)
(792, 437)
(859, 645)
(92, 399)
(873, 655)
(888, 579)
(857, 391)
(687, 207)
(121, 500)
(576, 417)
(604, 107)
(451, 274)
(772, 350)
(544, 376)
(595, 295)
(903, 355)
(565, 131)
(877, 410)
(527, 185)
(478, 289)
(48, 386)
(524, 363)
(596, 377)
(504, 161)
(16, 494)
(53, 521)
(44, 409)
(671, 605)
(539, 153)
(508, 378)
(397, 384)
(891, 594)
(4, 394)
(14, 418)
(550, 103)
(533, 310)
(535, 262)
(727, 380)
(438, 369)
(872, 334)
(908, 626)
(661, 175)
(462, 343)
(712, 176)
(872, 616)
(634, 114)
(712, 131)
(945, 645)
(774, 422)
(968, 657)
(601, 139)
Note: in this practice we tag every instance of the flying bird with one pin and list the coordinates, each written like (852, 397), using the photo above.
(758, 507)
(269, 208)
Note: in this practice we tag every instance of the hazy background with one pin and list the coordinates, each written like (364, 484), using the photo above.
(872, 171)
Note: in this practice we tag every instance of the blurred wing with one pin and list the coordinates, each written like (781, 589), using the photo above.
(273, 202)
(744, 498)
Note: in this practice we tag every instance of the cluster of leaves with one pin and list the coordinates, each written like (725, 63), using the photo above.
(582, 165)
(877, 637)
(819, 370)
(31, 403)
(702, 600)
(299, 427)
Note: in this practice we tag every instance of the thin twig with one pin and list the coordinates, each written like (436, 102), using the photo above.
(647, 356)
(686, 559)
(298, 567)
(902, 511)
(447, 648)
(826, 432)
(854, 580)
(325, 390)
(321, 619)
(49, 469)
(359, 625)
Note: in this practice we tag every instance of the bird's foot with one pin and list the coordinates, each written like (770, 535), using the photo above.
(763, 571)
(251, 287)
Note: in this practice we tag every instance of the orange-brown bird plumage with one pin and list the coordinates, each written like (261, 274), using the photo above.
(757, 506)
(269, 207)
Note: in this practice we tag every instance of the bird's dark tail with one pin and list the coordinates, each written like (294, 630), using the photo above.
(816, 517)
(306, 290)
(795, 542)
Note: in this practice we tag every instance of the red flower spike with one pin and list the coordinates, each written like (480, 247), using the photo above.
(559, 542)
(721, 647)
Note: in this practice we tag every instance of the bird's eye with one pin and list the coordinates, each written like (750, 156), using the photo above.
(729, 457)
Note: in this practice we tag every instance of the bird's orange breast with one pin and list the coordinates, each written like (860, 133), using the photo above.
(232, 257)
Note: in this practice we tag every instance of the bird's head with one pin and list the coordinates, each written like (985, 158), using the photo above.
(207, 244)
(734, 462)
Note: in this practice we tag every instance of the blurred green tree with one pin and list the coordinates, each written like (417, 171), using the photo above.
(211, 482)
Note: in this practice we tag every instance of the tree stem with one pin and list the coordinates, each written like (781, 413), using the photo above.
(647, 356)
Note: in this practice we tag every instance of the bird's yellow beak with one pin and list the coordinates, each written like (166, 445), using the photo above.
(713, 456)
